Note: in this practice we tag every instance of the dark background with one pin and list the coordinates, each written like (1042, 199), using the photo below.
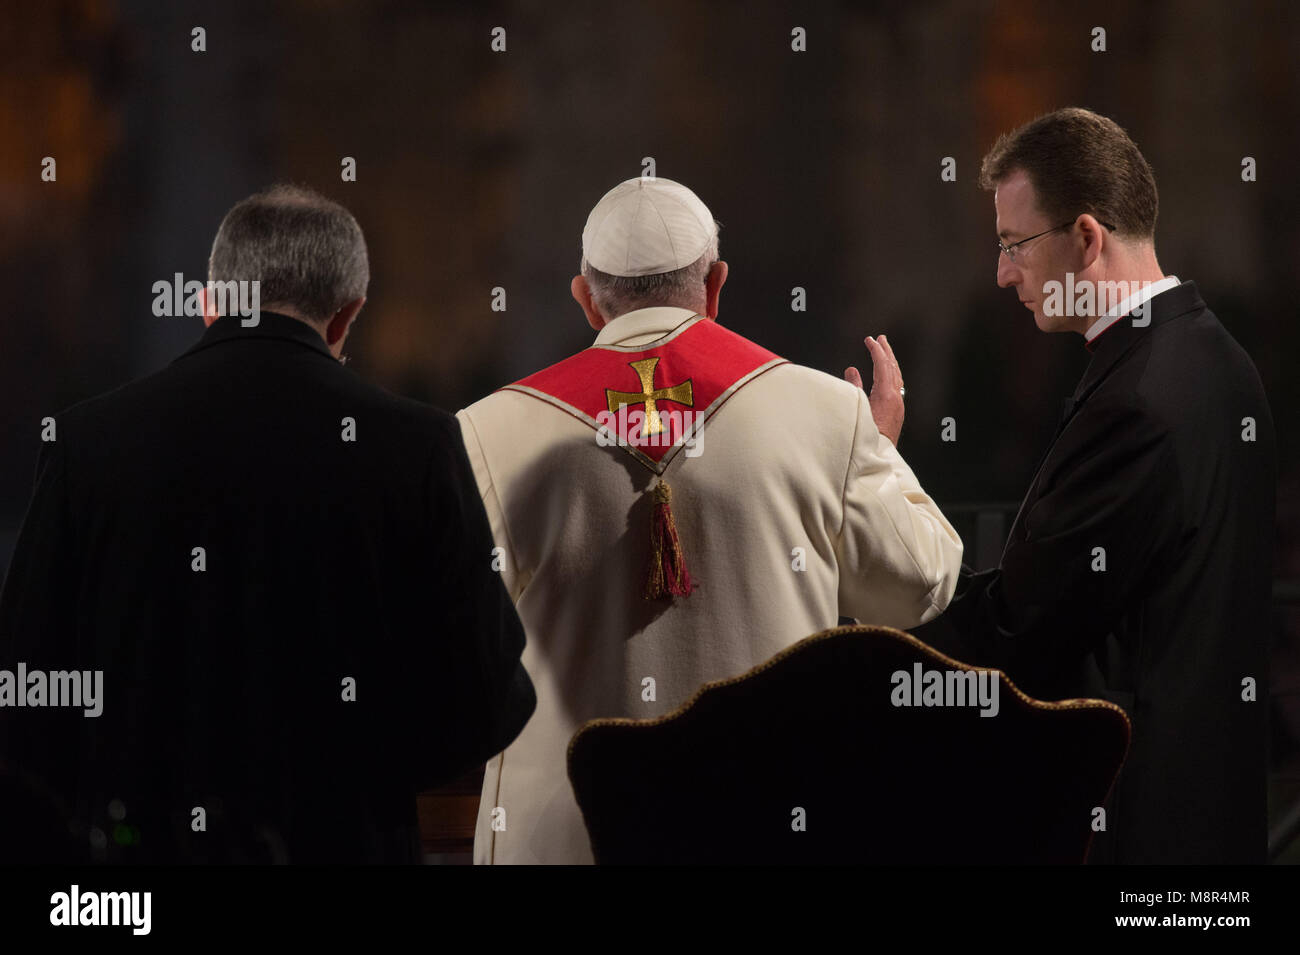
(477, 169)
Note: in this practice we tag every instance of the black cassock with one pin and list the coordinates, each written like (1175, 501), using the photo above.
(1153, 475)
(340, 641)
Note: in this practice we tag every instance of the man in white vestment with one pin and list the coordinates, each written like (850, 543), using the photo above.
(676, 504)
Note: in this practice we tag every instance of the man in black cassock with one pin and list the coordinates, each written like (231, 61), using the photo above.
(284, 574)
(1139, 567)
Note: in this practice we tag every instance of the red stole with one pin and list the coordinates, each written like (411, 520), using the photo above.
(651, 400)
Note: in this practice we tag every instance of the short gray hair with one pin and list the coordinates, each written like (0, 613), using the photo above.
(306, 251)
(616, 295)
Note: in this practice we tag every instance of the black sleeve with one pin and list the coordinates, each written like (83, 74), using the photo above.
(39, 745)
(485, 695)
(1109, 492)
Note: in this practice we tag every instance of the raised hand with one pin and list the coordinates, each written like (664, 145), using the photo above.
(886, 396)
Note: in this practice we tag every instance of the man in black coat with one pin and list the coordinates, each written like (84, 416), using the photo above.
(283, 574)
(1139, 567)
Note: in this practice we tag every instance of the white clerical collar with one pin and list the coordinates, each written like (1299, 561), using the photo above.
(1128, 304)
(643, 325)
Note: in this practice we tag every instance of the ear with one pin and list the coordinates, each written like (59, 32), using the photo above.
(1094, 238)
(339, 325)
(713, 285)
(208, 307)
(582, 295)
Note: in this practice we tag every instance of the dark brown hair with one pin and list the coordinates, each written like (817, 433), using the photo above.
(1079, 161)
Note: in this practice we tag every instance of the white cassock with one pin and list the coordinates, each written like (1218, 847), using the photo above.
(791, 509)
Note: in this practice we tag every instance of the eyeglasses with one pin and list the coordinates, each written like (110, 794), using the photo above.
(1010, 250)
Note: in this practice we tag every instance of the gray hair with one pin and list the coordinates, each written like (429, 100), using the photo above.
(306, 251)
(616, 295)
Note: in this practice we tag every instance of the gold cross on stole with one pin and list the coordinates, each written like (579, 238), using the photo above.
(648, 395)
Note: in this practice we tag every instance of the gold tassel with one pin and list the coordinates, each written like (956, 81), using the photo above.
(668, 574)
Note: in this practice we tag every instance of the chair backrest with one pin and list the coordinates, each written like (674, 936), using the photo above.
(855, 745)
